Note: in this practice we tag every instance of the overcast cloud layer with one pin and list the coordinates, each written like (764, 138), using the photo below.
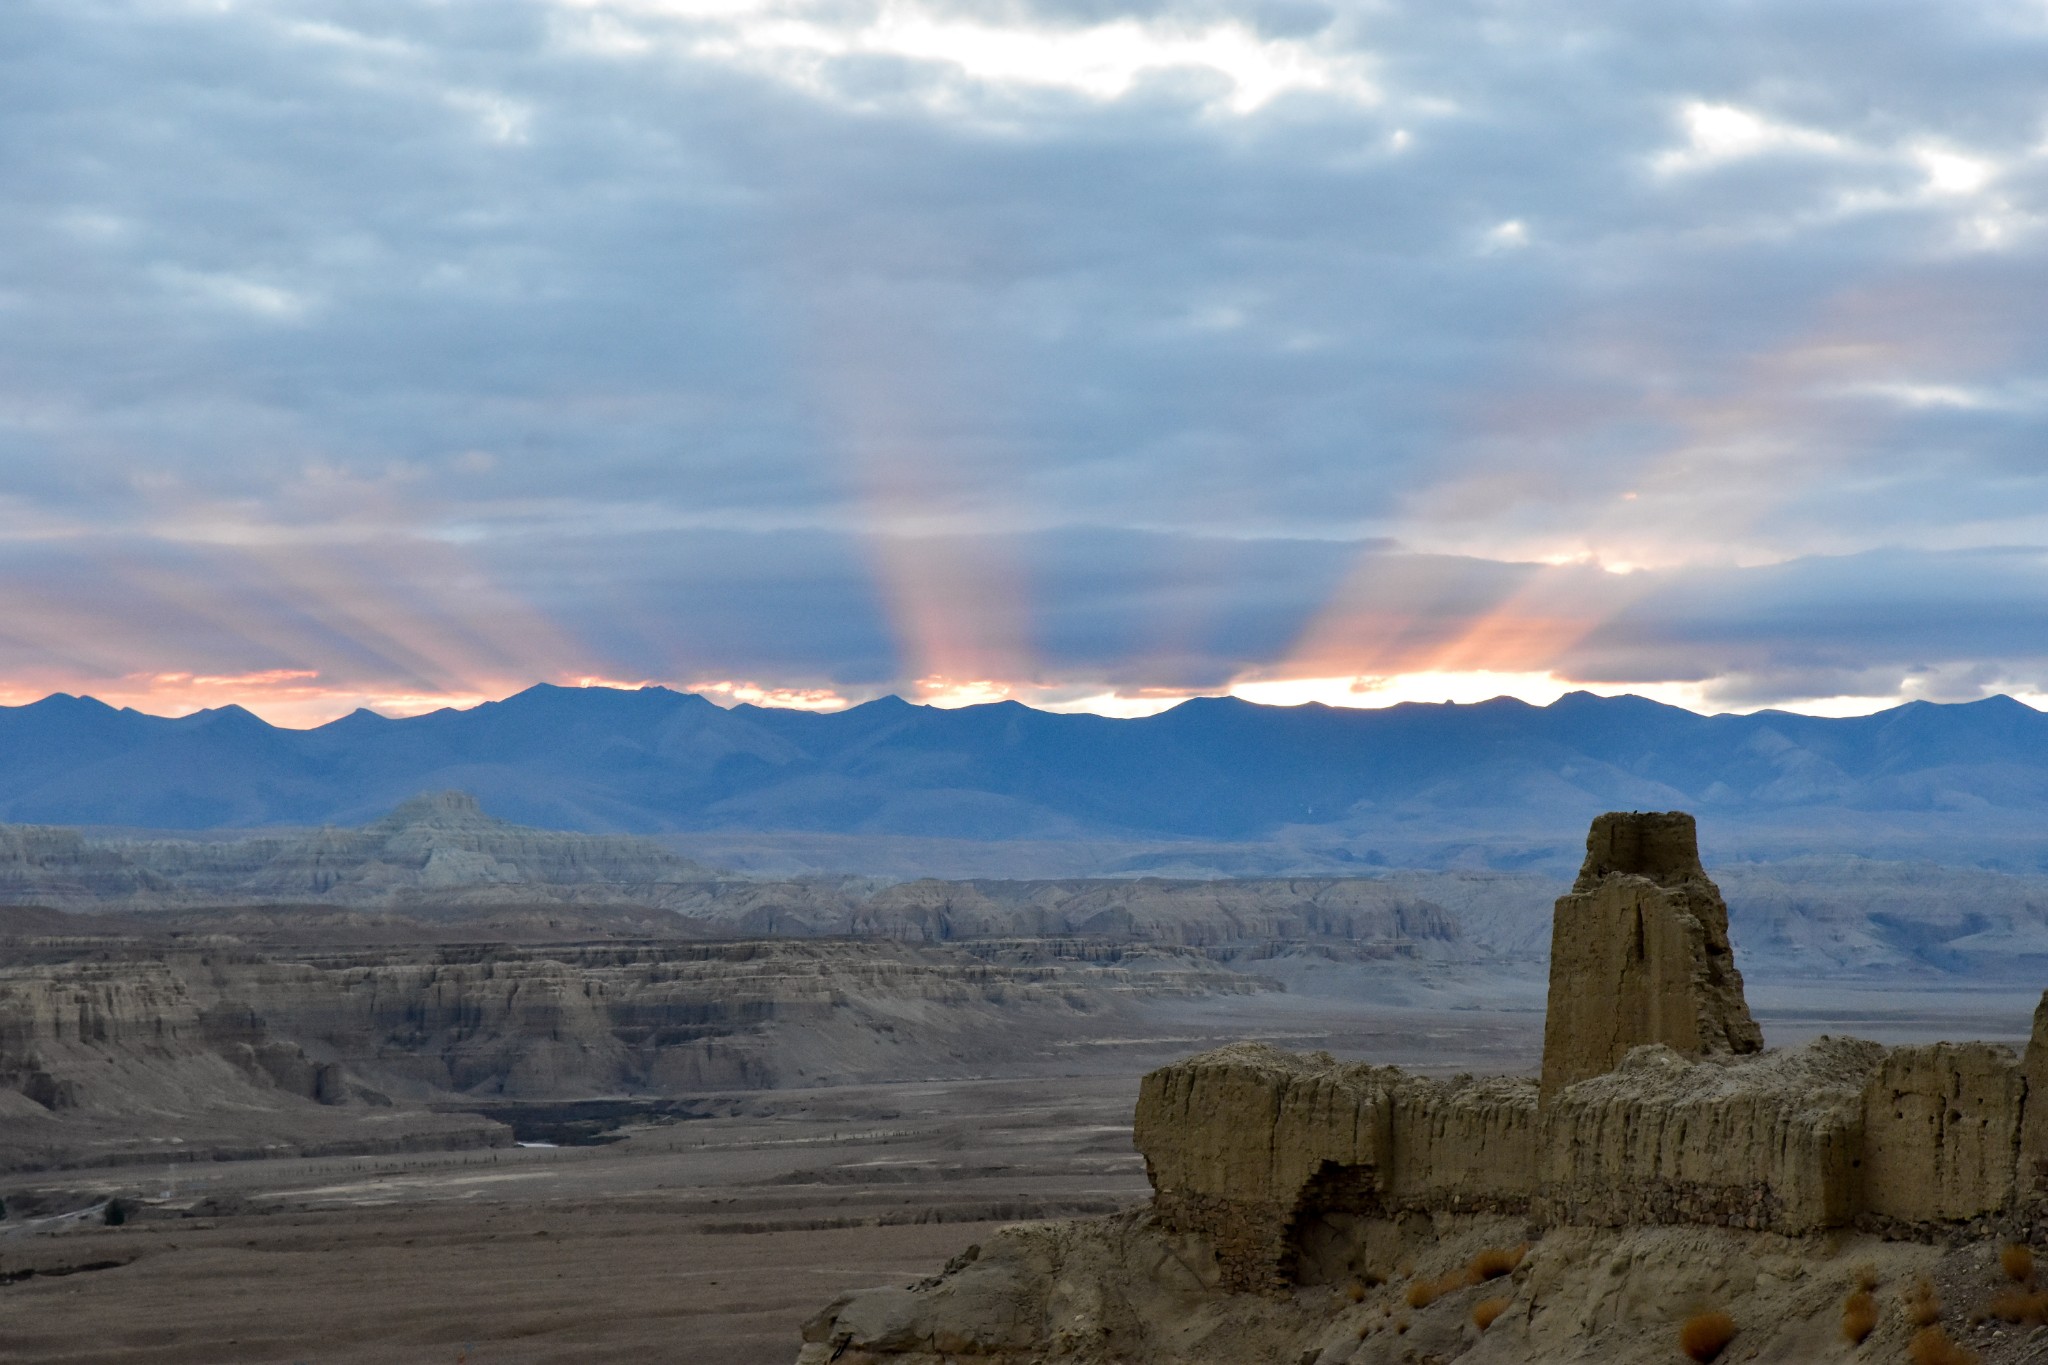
(1080, 352)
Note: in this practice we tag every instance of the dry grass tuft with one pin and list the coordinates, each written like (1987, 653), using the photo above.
(2017, 1261)
(2019, 1305)
(1931, 1346)
(1355, 1291)
(1923, 1305)
(1486, 1310)
(1859, 1316)
(1422, 1292)
(1867, 1277)
(1705, 1335)
(1494, 1262)
(1400, 1325)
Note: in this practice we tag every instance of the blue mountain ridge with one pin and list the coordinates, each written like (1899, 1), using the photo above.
(652, 760)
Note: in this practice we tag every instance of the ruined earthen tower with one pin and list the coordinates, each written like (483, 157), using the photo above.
(1639, 954)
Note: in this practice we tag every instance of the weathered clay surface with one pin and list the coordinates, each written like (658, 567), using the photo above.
(1233, 1138)
(1942, 1131)
(1769, 1143)
(1247, 1145)
(2030, 1173)
(1640, 954)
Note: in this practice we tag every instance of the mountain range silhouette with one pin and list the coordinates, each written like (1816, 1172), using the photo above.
(652, 760)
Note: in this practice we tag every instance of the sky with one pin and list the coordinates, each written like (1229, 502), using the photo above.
(1089, 354)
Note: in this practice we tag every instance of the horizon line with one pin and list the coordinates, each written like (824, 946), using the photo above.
(1880, 706)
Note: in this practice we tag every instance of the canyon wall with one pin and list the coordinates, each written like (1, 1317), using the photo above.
(114, 1050)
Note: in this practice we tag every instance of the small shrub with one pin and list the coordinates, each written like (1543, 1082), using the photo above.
(1705, 1335)
(2017, 1261)
(1400, 1324)
(1494, 1262)
(1486, 1310)
(2019, 1305)
(1866, 1277)
(1355, 1291)
(1859, 1316)
(1923, 1306)
(1931, 1346)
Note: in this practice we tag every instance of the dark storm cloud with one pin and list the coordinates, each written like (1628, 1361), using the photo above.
(653, 334)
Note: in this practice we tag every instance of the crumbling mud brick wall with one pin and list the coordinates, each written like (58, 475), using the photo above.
(1771, 1143)
(1243, 1143)
(1462, 1145)
(1656, 1103)
(1941, 1132)
(1233, 1137)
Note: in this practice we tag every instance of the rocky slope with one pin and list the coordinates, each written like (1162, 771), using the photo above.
(1127, 1290)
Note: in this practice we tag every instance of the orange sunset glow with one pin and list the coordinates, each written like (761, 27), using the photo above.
(1070, 366)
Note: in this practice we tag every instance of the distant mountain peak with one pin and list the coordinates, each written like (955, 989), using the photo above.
(438, 810)
(1225, 702)
(1999, 701)
(64, 701)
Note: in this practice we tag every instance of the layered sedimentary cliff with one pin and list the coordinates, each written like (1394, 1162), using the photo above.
(441, 856)
(1381, 920)
(1275, 1173)
(121, 1049)
(439, 847)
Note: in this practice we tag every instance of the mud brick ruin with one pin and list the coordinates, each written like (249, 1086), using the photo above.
(1656, 1104)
